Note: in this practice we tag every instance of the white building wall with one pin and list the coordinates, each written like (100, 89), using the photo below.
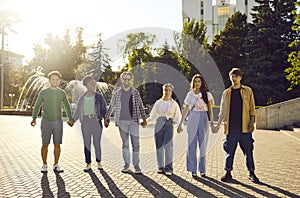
(192, 9)
(208, 18)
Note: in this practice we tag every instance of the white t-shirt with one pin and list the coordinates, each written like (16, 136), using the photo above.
(196, 102)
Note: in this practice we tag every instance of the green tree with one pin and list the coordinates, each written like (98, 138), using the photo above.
(267, 50)
(99, 59)
(109, 76)
(135, 41)
(59, 54)
(7, 19)
(192, 44)
(227, 48)
(293, 72)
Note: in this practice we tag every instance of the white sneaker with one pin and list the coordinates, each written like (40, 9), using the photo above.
(100, 167)
(57, 168)
(87, 168)
(202, 174)
(44, 168)
(169, 173)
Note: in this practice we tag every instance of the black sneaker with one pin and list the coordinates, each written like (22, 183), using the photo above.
(226, 177)
(137, 169)
(194, 175)
(252, 177)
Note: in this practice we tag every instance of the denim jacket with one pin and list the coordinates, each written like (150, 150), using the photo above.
(100, 107)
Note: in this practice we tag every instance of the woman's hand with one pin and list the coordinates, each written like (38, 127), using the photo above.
(179, 129)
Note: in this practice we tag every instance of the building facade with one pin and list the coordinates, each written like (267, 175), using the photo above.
(11, 58)
(215, 16)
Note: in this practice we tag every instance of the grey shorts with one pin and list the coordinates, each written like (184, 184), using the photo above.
(52, 127)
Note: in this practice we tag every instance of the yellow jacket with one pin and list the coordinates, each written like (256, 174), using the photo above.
(248, 108)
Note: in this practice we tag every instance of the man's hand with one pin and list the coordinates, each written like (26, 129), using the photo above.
(106, 122)
(215, 129)
(251, 126)
(70, 123)
(33, 123)
(179, 128)
(144, 123)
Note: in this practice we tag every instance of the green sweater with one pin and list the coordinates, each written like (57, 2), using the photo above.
(51, 100)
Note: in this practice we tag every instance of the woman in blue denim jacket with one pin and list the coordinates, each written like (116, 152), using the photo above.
(91, 108)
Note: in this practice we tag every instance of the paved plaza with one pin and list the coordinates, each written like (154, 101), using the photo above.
(276, 153)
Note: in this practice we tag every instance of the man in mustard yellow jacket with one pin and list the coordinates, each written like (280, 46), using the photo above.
(237, 111)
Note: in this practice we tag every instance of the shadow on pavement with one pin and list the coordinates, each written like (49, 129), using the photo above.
(154, 188)
(61, 188)
(45, 186)
(191, 188)
(103, 192)
(289, 194)
(228, 190)
(111, 184)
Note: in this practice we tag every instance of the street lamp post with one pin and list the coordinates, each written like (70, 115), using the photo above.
(2, 66)
(11, 95)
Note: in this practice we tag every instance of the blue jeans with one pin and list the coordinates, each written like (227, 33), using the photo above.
(126, 128)
(197, 128)
(245, 141)
(164, 143)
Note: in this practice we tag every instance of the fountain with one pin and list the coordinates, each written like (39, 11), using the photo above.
(74, 89)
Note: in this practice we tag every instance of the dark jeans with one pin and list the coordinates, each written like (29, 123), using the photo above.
(164, 143)
(91, 127)
(245, 141)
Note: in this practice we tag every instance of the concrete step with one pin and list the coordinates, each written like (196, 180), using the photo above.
(297, 124)
(289, 127)
(297, 129)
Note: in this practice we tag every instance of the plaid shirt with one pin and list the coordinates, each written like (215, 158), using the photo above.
(137, 106)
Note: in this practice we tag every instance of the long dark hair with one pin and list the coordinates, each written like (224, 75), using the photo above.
(203, 89)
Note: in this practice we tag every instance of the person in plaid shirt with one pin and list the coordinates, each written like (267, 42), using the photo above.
(128, 108)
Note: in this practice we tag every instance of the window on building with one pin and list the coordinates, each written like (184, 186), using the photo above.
(223, 15)
(201, 12)
(246, 2)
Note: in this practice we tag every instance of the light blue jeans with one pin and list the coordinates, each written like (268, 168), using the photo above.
(197, 128)
(130, 128)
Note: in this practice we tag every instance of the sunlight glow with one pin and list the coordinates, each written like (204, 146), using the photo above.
(39, 17)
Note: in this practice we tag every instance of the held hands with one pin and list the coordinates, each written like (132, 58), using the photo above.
(106, 122)
(179, 128)
(215, 129)
(33, 123)
(70, 123)
(144, 123)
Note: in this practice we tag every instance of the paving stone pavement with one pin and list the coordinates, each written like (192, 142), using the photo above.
(276, 153)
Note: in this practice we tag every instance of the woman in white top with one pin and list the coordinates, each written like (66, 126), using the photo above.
(165, 112)
(198, 106)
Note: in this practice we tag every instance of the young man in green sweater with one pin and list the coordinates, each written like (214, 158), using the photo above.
(51, 99)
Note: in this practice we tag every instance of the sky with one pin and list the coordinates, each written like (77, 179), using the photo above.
(109, 17)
